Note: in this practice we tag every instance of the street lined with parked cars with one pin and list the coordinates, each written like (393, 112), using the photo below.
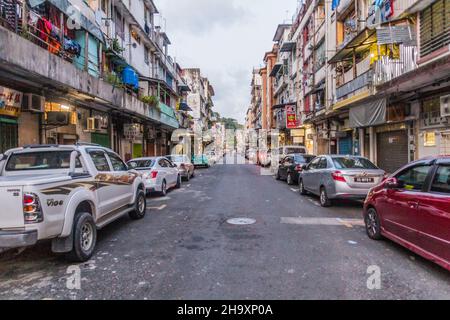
(66, 193)
(410, 207)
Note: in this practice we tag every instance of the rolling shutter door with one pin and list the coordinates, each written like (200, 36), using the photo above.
(392, 150)
(345, 146)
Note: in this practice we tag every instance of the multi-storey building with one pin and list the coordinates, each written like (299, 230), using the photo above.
(199, 99)
(368, 79)
(90, 71)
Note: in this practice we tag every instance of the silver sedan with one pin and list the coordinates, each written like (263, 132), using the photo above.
(339, 177)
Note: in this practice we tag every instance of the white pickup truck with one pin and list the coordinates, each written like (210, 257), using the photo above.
(65, 193)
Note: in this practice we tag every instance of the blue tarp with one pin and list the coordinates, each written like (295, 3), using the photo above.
(130, 77)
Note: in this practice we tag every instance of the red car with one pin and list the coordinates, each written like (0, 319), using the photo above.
(412, 208)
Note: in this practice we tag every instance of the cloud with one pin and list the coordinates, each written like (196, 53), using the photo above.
(201, 16)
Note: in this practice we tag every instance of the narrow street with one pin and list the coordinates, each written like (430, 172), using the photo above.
(185, 249)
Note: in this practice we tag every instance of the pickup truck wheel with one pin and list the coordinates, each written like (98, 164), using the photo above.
(84, 238)
(140, 206)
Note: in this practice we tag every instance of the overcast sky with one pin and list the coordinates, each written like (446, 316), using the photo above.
(226, 39)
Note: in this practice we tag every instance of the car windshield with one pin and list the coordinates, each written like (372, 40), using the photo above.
(303, 159)
(353, 163)
(45, 160)
(294, 150)
(141, 164)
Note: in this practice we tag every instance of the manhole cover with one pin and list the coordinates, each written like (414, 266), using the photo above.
(241, 221)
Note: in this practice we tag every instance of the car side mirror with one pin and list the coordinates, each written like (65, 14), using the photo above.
(393, 183)
(304, 167)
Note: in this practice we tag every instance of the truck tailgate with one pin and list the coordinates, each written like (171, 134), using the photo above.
(11, 208)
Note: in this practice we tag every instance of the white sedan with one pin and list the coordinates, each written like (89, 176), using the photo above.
(159, 174)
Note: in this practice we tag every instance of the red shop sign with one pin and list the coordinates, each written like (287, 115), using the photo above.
(291, 117)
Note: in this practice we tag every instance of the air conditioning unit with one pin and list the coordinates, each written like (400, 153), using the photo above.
(58, 118)
(445, 106)
(93, 124)
(33, 103)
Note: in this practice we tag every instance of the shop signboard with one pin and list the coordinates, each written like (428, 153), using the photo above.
(291, 117)
(10, 102)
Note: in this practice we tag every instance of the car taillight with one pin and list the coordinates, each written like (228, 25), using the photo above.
(298, 168)
(32, 211)
(153, 174)
(338, 176)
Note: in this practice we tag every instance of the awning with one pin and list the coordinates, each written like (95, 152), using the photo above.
(66, 7)
(184, 107)
(275, 69)
(361, 42)
(368, 114)
(287, 46)
(283, 105)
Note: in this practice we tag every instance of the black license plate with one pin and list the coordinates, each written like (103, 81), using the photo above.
(365, 180)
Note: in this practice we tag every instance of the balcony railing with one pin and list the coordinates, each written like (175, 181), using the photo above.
(387, 69)
(356, 84)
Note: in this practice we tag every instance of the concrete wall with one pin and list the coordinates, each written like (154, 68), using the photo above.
(28, 128)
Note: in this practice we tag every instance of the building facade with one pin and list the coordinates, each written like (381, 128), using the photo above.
(89, 71)
(368, 79)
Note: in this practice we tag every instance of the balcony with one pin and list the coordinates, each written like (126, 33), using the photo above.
(432, 120)
(387, 69)
(355, 86)
(280, 84)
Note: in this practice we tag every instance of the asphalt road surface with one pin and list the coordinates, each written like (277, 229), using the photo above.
(186, 249)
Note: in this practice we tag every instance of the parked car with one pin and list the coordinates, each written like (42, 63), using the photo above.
(287, 150)
(412, 208)
(65, 194)
(291, 166)
(185, 166)
(339, 177)
(265, 157)
(159, 174)
(200, 161)
(212, 157)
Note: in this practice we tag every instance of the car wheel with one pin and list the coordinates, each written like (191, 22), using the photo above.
(140, 206)
(324, 200)
(178, 186)
(373, 226)
(301, 186)
(84, 238)
(289, 179)
(193, 174)
(188, 176)
(164, 188)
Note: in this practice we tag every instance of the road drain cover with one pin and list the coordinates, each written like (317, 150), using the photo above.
(241, 221)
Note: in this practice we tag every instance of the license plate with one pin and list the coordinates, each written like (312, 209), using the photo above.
(365, 180)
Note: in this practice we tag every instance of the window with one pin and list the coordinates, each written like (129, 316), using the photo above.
(314, 164)
(146, 56)
(48, 160)
(441, 182)
(303, 159)
(429, 139)
(353, 163)
(414, 178)
(100, 161)
(163, 163)
(141, 164)
(323, 163)
(434, 22)
(117, 163)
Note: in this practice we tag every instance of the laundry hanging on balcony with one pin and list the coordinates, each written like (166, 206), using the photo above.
(334, 4)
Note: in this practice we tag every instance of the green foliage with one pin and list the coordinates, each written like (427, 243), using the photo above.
(150, 100)
(115, 46)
